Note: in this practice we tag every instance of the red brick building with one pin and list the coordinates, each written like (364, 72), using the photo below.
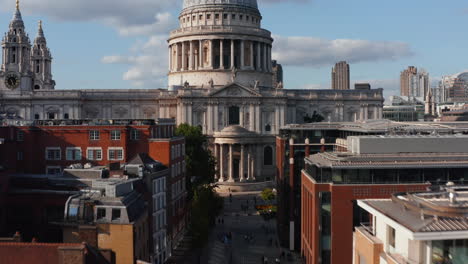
(375, 167)
(45, 148)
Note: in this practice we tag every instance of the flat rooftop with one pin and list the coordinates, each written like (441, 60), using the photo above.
(344, 160)
(384, 126)
(426, 211)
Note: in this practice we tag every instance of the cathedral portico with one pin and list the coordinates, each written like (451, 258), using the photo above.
(238, 151)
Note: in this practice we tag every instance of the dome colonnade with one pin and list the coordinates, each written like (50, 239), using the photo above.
(215, 37)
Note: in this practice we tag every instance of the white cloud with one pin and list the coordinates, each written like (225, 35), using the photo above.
(317, 52)
(148, 63)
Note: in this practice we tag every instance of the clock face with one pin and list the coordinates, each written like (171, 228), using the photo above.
(12, 80)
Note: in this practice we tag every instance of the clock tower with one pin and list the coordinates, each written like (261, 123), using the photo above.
(15, 73)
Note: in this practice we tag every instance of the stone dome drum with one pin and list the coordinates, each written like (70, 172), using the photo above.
(240, 3)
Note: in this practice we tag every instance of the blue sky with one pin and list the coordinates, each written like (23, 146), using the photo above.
(121, 44)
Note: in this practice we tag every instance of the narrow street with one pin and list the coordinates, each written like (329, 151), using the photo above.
(252, 236)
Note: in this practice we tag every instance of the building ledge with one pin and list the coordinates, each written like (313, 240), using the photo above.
(363, 231)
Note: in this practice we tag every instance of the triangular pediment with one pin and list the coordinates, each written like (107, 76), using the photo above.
(234, 90)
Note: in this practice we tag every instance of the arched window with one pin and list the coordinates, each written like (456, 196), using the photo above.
(268, 156)
(267, 128)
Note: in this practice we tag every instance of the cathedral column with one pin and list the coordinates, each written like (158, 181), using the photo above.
(249, 171)
(270, 66)
(242, 50)
(184, 55)
(191, 56)
(259, 66)
(366, 112)
(221, 163)
(231, 164)
(265, 67)
(277, 119)
(221, 54)
(282, 116)
(251, 55)
(241, 116)
(176, 57)
(257, 119)
(211, 54)
(241, 165)
(232, 54)
(200, 53)
(217, 160)
(170, 58)
(215, 119)
(209, 118)
(252, 117)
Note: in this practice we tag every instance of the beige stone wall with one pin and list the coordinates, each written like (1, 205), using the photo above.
(366, 248)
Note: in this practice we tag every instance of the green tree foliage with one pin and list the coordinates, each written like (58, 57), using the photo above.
(206, 205)
(316, 118)
(268, 195)
(198, 159)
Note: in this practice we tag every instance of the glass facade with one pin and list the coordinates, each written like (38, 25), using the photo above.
(325, 227)
(386, 176)
(450, 251)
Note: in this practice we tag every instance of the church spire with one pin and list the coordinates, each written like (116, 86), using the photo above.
(40, 32)
(17, 21)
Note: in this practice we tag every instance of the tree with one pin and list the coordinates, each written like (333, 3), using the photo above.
(268, 195)
(316, 118)
(206, 205)
(199, 161)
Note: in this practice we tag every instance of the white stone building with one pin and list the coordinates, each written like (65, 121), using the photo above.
(220, 75)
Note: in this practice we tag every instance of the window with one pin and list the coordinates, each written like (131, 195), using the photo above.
(73, 154)
(51, 116)
(208, 16)
(101, 213)
(234, 115)
(233, 16)
(20, 135)
(200, 17)
(115, 214)
(115, 135)
(115, 153)
(20, 155)
(53, 154)
(53, 170)
(66, 116)
(94, 154)
(134, 134)
(36, 116)
(240, 17)
(93, 135)
(225, 16)
(268, 156)
(216, 16)
(267, 128)
(391, 236)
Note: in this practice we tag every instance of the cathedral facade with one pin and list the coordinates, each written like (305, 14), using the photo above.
(221, 78)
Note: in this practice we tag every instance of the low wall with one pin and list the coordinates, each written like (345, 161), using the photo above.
(244, 186)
